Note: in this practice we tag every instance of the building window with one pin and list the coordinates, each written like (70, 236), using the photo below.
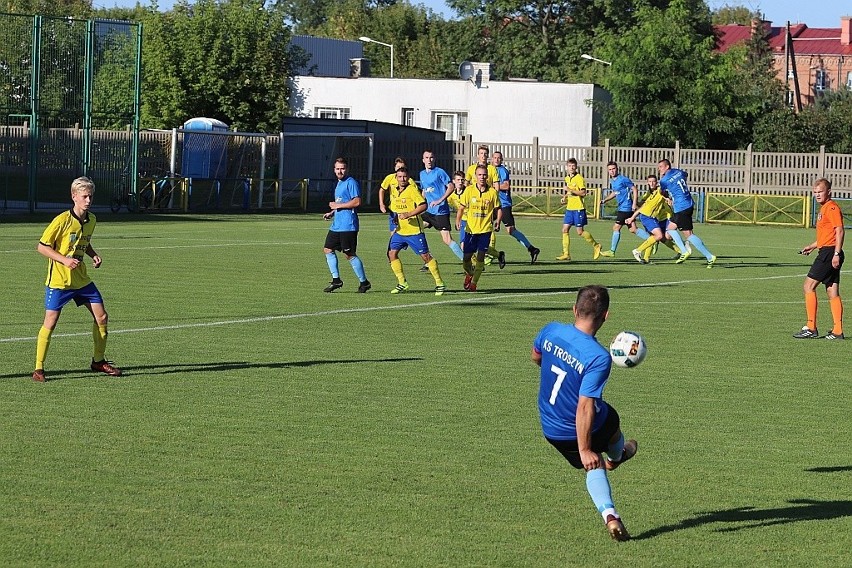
(407, 116)
(821, 80)
(331, 112)
(453, 124)
(790, 99)
(849, 81)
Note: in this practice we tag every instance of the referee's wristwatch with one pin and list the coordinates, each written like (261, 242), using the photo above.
(836, 253)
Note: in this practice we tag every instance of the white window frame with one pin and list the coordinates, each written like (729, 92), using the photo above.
(332, 112)
(407, 116)
(458, 126)
(820, 80)
(849, 80)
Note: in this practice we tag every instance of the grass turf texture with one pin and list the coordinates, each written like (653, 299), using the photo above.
(263, 422)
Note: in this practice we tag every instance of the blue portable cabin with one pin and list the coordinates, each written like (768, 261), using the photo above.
(204, 156)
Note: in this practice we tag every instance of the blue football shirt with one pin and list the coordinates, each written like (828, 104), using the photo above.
(674, 181)
(622, 185)
(573, 364)
(434, 184)
(345, 219)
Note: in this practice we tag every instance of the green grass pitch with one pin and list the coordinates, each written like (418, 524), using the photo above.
(261, 422)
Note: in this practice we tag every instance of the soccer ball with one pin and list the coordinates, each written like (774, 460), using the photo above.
(628, 349)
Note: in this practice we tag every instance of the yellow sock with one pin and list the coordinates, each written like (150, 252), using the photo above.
(432, 265)
(836, 314)
(396, 266)
(468, 266)
(99, 334)
(478, 269)
(41, 346)
(647, 254)
(493, 240)
(646, 244)
(566, 243)
(671, 245)
(589, 238)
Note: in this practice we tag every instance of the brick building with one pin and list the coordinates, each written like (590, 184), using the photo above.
(810, 61)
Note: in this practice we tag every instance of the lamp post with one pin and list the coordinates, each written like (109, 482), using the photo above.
(390, 45)
(590, 58)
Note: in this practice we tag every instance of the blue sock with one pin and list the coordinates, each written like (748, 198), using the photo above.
(597, 485)
(358, 267)
(454, 246)
(642, 233)
(519, 236)
(331, 259)
(678, 240)
(616, 236)
(699, 244)
(615, 451)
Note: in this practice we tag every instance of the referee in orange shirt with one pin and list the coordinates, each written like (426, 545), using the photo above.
(826, 266)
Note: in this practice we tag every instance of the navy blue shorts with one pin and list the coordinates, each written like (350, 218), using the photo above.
(577, 218)
(416, 242)
(55, 299)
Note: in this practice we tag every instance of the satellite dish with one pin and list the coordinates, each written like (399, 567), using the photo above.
(466, 71)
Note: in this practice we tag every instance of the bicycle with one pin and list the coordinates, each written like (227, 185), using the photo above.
(151, 192)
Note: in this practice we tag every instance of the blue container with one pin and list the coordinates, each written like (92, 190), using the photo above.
(205, 155)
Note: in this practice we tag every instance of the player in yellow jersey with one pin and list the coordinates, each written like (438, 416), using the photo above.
(479, 205)
(482, 159)
(407, 203)
(575, 212)
(654, 214)
(390, 179)
(65, 242)
(459, 186)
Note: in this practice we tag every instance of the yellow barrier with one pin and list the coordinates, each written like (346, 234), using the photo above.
(756, 209)
(544, 201)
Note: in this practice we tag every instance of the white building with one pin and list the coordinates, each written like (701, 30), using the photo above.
(505, 111)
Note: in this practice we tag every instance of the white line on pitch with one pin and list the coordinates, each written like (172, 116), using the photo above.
(466, 300)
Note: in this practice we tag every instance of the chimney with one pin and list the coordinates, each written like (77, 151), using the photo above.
(482, 72)
(845, 30)
(359, 67)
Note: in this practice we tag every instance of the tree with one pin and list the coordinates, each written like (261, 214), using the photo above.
(662, 80)
(225, 59)
(733, 15)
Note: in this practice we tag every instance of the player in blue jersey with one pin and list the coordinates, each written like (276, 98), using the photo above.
(624, 191)
(343, 233)
(673, 181)
(574, 417)
(504, 187)
(437, 186)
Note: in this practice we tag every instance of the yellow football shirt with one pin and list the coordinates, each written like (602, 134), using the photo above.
(493, 177)
(404, 201)
(389, 181)
(574, 202)
(70, 236)
(479, 209)
(654, 205)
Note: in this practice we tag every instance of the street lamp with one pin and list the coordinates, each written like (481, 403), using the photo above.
(390, 45)
(590, 58)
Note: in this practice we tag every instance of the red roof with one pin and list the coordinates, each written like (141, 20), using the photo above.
(806, 41)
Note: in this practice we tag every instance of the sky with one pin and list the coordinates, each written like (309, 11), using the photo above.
(814, 13)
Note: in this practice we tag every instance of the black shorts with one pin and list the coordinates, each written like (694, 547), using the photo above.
(822, 271)
(600, 440)
(437, 222)
(683, 219)
(508, 219)
(345, 241)
(622, 216)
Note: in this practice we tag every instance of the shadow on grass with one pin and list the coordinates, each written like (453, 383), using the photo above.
(830, 469)
(750, 517)
(168, 369)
